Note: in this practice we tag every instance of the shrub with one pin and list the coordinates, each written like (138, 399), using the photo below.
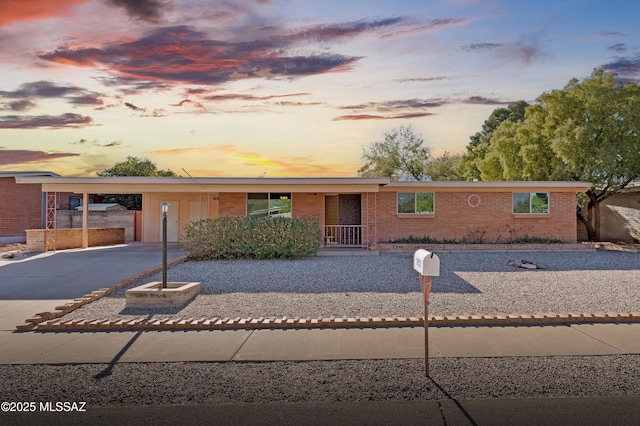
(252, 238)
(526, 239)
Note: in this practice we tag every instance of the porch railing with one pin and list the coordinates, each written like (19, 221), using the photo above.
(344, 235)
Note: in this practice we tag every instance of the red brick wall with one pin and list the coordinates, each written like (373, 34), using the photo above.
(308, 205)
(20, 207)
(232, 204)
(492, 220)
(64, 239)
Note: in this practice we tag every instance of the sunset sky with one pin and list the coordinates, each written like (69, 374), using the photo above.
(281, 87)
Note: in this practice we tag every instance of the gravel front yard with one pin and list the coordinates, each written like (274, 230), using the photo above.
(387, 285)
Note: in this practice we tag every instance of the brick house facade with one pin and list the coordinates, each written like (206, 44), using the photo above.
(22, 206)
(352, 211)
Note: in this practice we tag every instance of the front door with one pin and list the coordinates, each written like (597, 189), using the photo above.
(349, 209)
(343, 219)
(173, 215)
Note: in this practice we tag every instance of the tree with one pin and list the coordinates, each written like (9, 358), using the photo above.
(132, 166)
(480, 142)
(444, 167)
(400, 156)
(588, 131)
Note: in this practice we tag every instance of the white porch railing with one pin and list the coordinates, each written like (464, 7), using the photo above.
(344, 235)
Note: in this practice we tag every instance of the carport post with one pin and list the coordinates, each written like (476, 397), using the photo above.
(85, 220)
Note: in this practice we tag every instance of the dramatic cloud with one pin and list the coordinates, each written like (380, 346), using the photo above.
(23, 105)
(95, 143)
(357, 117)
(240, 97)
(609, 34)
(421, 80)
(182, 54)
(391, 110)
(480, 46)
(628, 69)
(618, 47)
(21, 156)
(29, 10)
(408, 108)
(525, 50)
(189, 102)
(411, 28)
(148, 10)
(44, 121)
(48, 90)
(133, 107)
(397, 105)
(480, 100)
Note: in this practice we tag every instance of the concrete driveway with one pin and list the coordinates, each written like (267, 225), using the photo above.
(41, 282)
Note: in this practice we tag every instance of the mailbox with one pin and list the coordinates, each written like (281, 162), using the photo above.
(426, 263)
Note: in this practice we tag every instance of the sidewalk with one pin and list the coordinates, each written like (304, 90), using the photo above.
(316, 344)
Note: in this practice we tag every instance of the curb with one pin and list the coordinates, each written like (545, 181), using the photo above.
(538, 319)
(62, 310)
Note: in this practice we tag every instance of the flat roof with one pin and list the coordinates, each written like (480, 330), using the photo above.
(486, 186)
(142, 184)
(25, 174)
(145, 184)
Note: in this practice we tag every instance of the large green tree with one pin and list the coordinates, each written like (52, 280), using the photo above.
(588, 131)
(402, 155)
(480, 142)
(444, 167)
(132, 166)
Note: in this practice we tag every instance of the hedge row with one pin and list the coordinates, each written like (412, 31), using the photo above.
(252, 238)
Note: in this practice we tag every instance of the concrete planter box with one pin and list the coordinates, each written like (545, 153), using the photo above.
(152, 295)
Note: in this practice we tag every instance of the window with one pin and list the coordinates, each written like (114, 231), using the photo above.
(415, 202)
(531, 202)
(269, 204)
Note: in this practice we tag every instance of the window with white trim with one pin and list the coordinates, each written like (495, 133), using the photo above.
(415, 203)
(531, 203)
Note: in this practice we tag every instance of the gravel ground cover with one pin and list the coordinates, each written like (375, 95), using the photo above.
(387, 285)
(324, 381)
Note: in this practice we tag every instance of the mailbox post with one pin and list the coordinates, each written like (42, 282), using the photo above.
(428, 265)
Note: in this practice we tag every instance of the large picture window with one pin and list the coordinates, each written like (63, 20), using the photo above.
(415, 203)
(262, 204)
(531, 202)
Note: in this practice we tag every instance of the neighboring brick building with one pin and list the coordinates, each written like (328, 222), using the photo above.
(352, 211)
(22, 206)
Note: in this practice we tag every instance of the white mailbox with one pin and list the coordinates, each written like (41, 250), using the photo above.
(426, 263)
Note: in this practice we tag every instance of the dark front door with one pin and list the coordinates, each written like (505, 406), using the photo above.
(343, 219)
(349, 209)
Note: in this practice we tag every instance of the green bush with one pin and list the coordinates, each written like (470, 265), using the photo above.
(252, 238)
(465, 240)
